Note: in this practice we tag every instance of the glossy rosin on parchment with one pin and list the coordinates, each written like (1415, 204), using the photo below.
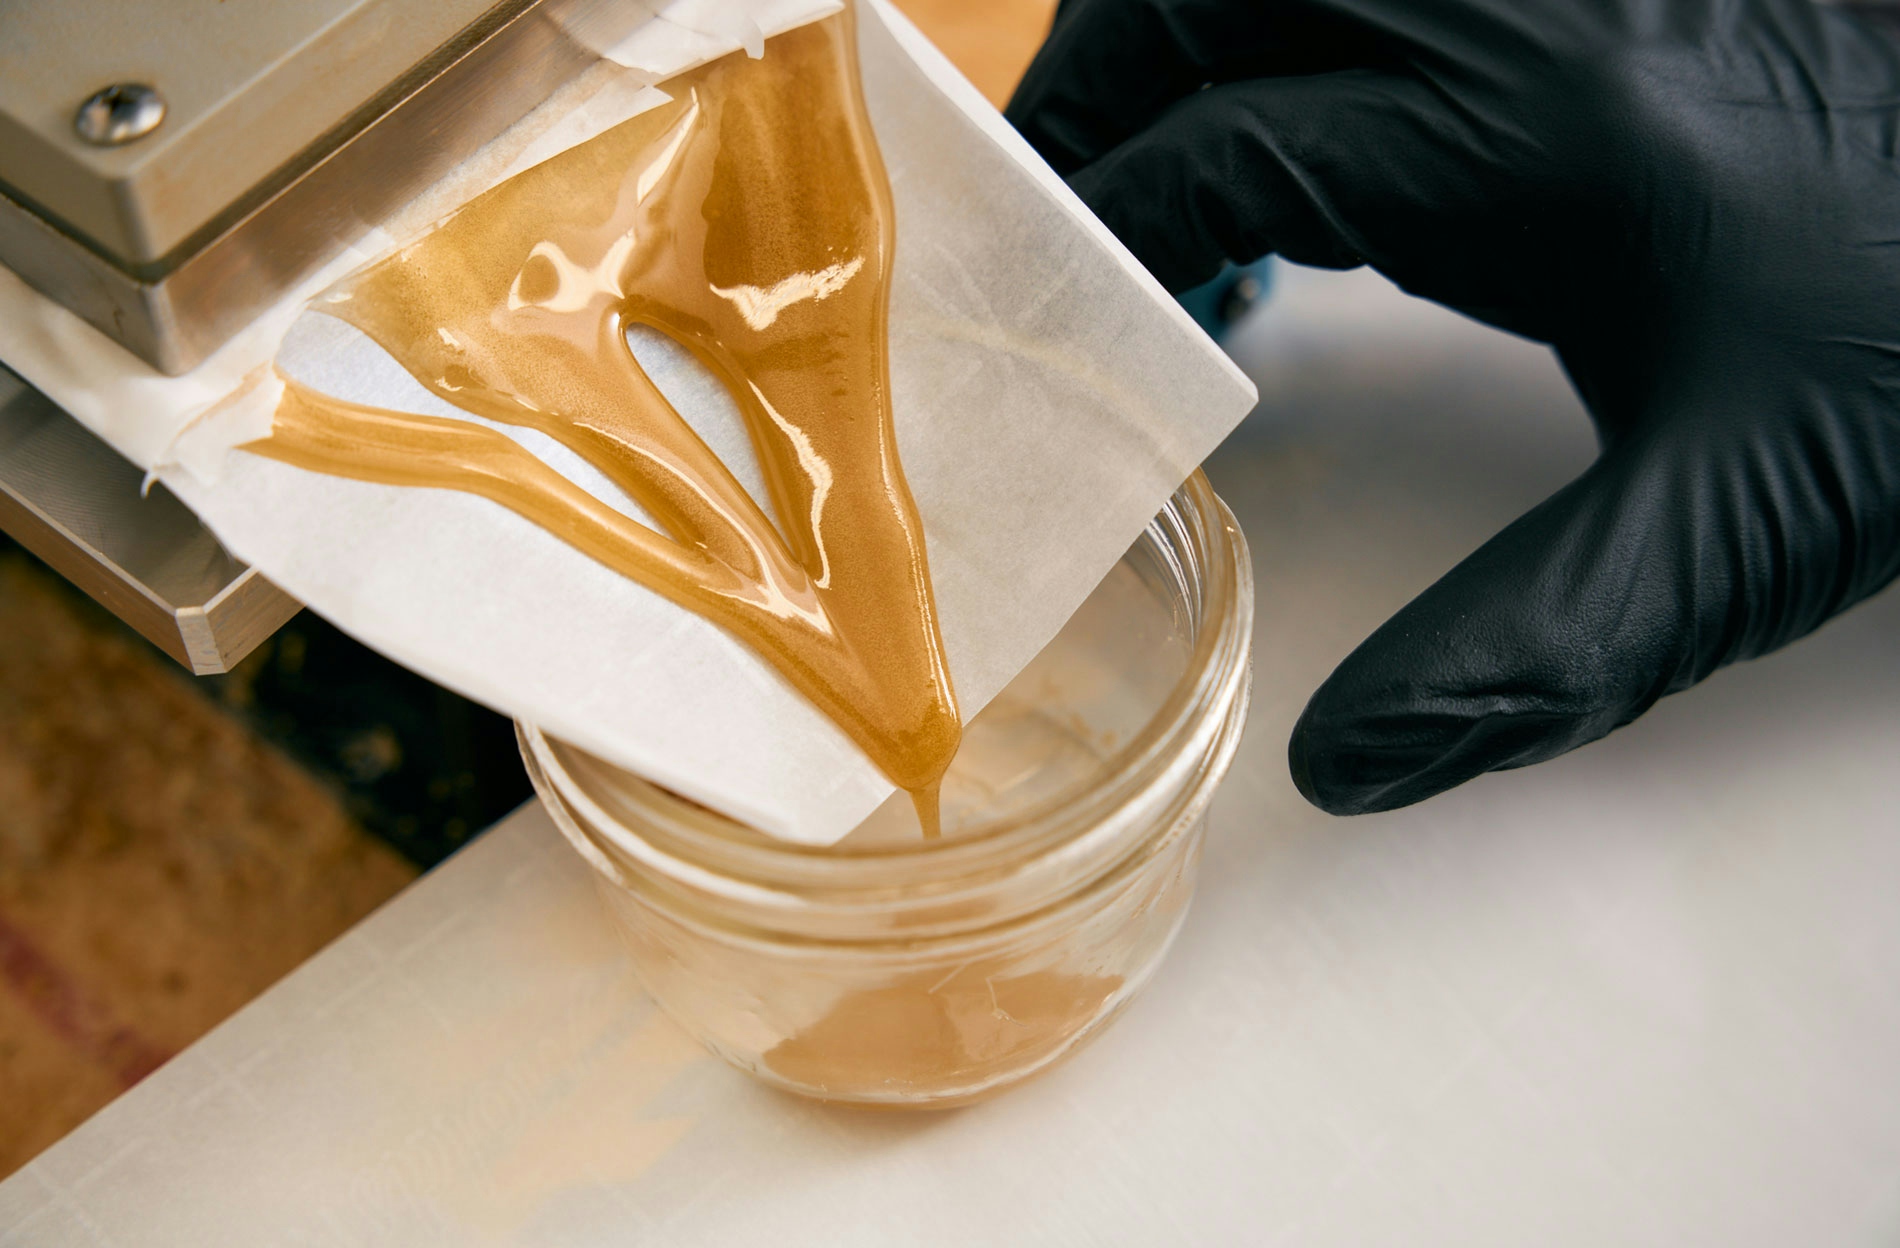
(750, 220)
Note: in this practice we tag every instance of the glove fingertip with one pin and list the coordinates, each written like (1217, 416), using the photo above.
(1342, 773)
(1299, 765)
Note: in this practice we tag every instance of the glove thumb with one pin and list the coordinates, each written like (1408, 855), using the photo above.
(1569, 623)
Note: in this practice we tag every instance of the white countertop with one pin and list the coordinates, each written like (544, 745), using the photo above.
(1647, 994)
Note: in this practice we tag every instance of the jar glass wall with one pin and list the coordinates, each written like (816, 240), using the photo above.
(895, 971)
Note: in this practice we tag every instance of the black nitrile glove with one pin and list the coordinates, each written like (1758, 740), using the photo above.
(1696, 203)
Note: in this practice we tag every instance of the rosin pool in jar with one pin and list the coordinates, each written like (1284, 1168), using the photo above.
(893, 971)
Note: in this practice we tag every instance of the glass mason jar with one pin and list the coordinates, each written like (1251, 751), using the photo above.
(889, 970)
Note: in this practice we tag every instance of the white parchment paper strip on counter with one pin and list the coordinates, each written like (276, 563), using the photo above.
(1049, 397)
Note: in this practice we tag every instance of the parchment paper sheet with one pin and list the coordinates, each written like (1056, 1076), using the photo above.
(1049, 397)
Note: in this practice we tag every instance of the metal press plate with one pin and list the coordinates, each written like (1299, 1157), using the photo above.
(71, 500)
(246, 87)
(176, 309)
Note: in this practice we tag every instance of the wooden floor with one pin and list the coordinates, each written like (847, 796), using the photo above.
(159, 864)
(991, 41)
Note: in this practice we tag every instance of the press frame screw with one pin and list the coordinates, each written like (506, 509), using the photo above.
(118, 114)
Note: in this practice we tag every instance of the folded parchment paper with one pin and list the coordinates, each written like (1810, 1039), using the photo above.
(1049, 397)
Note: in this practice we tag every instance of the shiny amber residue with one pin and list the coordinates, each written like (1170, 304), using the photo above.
(750, 220)
(928, 1033)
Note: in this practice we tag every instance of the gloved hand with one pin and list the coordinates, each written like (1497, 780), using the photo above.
(1695, 202)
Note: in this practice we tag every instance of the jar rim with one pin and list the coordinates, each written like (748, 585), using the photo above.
(680, 837)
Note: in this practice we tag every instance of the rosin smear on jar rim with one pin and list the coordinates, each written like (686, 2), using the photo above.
(890, 970)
